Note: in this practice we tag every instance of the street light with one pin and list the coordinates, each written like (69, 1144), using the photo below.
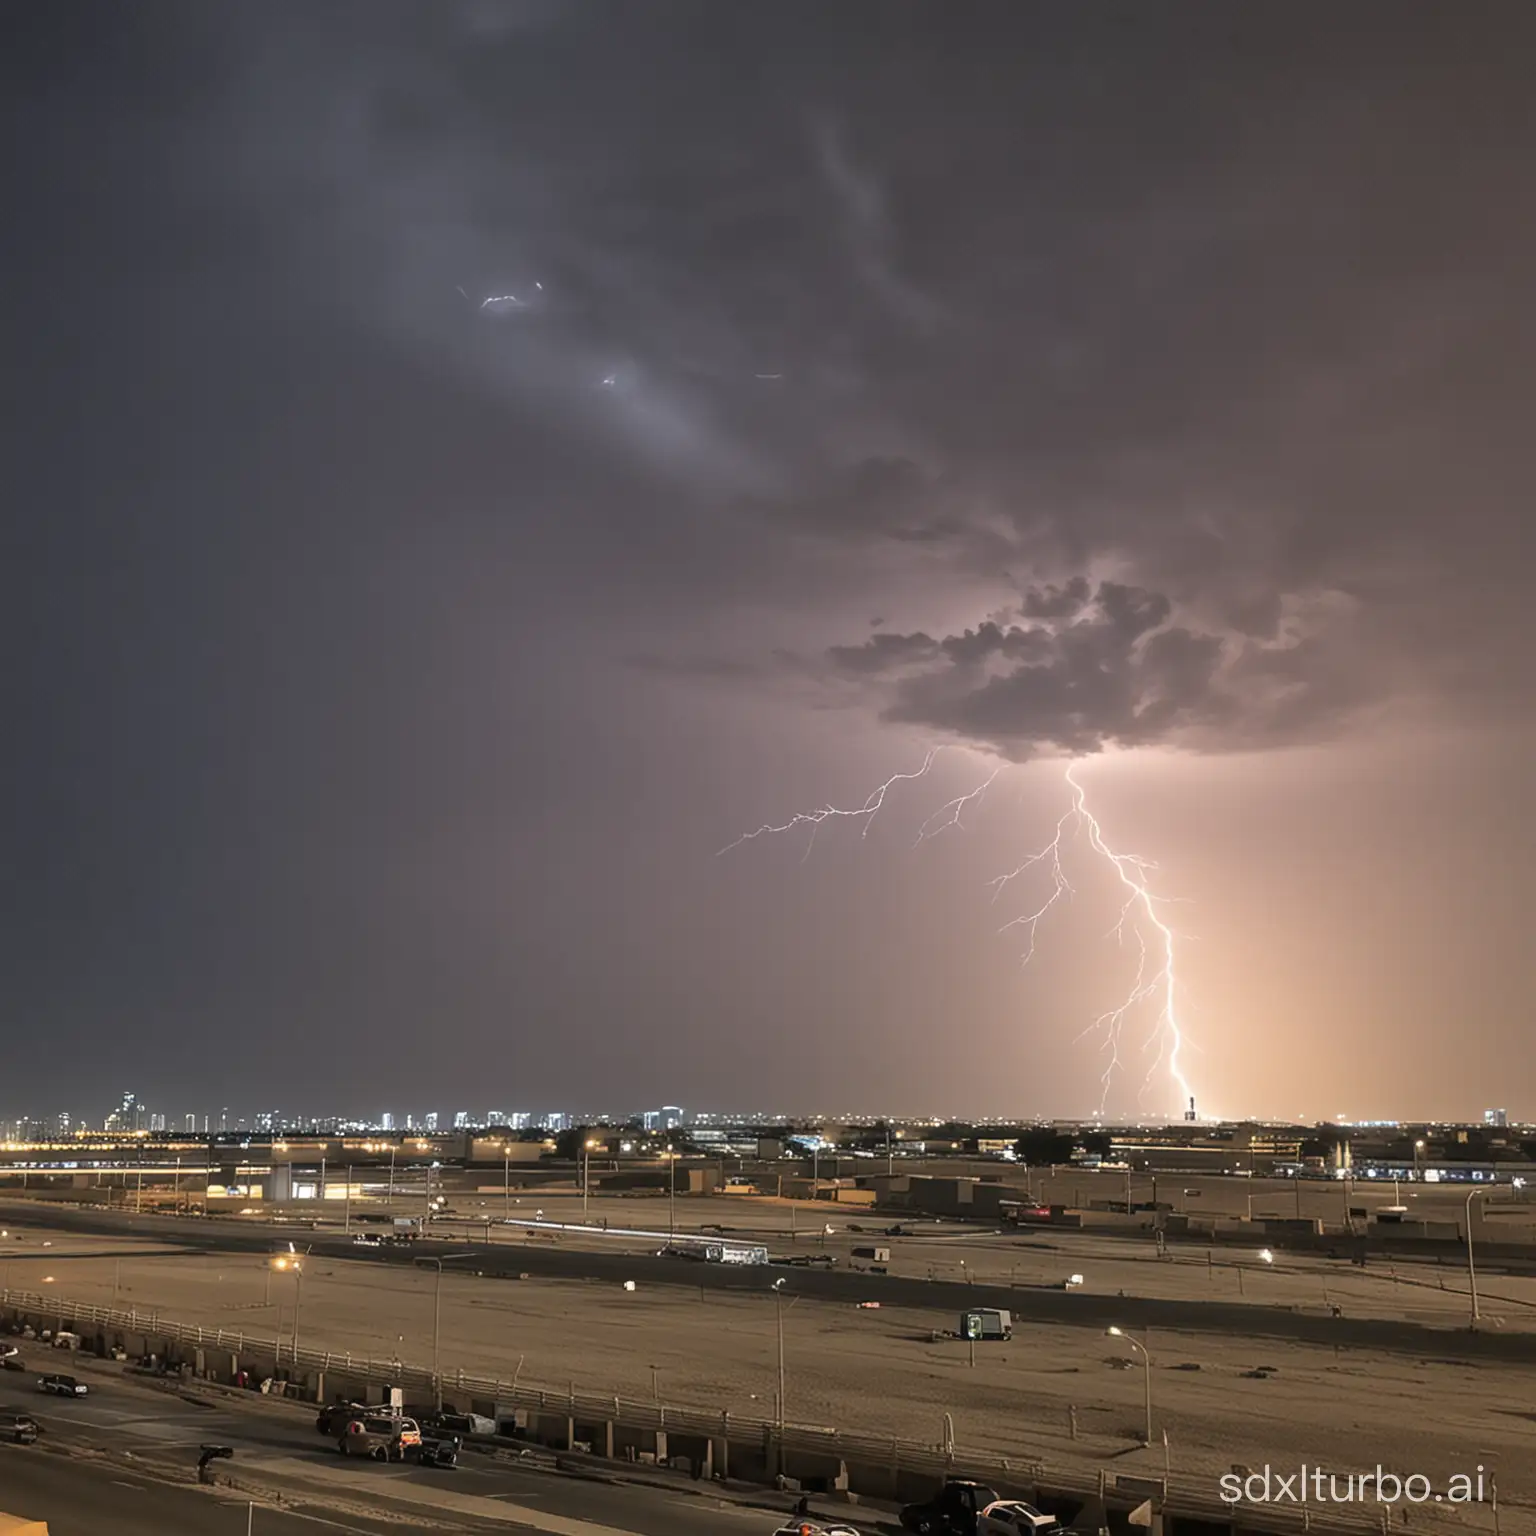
(437, 1315)
(1146, 1359)
(671, 1192)
(586, 1170)
(1476, 1194)
(294, 1265)
(778, 1318)
(1418, 1152)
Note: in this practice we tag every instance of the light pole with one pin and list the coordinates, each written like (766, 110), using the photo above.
(1476, 1194)
(1146, 1360)
(346, 1215)
(295, 1266)
(671, 1192)
(506, 1179)
(1418, 1152)
(586, 1172)
(778, 1318)
(437, 1316)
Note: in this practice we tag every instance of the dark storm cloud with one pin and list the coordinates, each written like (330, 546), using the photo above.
(1097, 680)
(855, 318)
(1158, 378)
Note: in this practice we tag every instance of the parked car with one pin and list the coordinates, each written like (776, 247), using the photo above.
(808, 1527)
(381, 1437)
(21, 1428)
(13, 1362)
(62, 1386)
(330, 1419)
(438, 1450)
(456, 1423)
(950, 1512)
(1013, 1517)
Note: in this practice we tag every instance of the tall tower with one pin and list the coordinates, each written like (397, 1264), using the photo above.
(1189, 1114)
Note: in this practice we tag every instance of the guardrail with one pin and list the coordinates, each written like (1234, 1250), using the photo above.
(1182, 1494)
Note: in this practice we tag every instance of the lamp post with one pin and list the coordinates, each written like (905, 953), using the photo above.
(1146, 1360)
(506, 1179)
(1476, 1194)
(1418, 1152)
(778, 1319)
(437, 1317)
(586, 1172)
(295, 1266)
(671, 1192)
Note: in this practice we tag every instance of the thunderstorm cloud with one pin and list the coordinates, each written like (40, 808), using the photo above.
(467, 457)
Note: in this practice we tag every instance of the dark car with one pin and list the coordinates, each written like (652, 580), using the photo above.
(952, 1511)
(19, 1427)
(62, 1386)
(13, 1363)
(446, 1422)
(438, 1449)
(332, 1417)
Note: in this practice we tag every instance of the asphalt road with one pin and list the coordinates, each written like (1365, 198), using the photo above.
(280, 1442)
(78, 1498)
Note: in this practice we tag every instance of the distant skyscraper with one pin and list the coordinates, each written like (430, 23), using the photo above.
(1496, 1117)
(386, 1121)
(192, 1122)
(429, 1120)
(157, 1123)
(461, 1119)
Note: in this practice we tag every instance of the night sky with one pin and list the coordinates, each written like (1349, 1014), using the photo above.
(466, 463)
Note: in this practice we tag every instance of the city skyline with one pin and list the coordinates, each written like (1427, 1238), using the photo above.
(468, 464)
(135, 1117)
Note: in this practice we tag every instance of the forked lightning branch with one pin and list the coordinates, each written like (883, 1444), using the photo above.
(1148, 1012)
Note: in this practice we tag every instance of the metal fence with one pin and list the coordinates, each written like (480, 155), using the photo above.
(1181, 1494)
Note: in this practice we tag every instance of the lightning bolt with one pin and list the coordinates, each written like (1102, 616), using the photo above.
(1132, 871)
(1155, 980)
(814, 819)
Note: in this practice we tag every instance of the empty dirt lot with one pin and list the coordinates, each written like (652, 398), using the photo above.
(874, 1371)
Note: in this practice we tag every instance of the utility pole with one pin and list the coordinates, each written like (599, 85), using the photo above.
(392, 1174)
(671, 1192)
(346, 1219)
(506, 1178)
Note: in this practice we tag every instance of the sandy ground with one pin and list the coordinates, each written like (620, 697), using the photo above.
(876, 1372)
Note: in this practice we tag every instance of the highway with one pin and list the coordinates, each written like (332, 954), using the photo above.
(276, 1445)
